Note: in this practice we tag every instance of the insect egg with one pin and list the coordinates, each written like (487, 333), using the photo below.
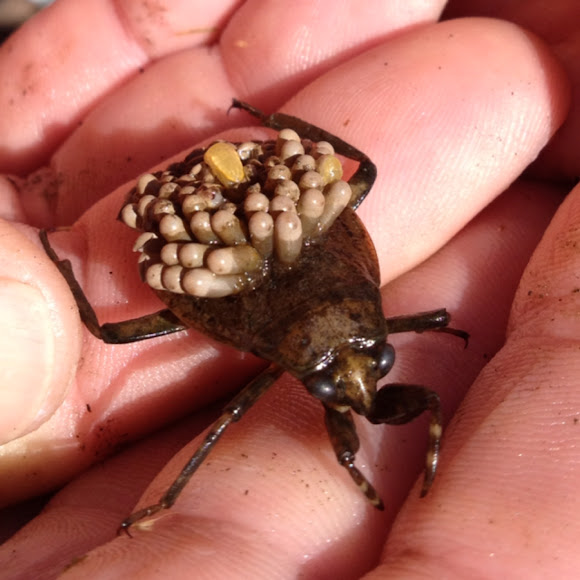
(228, 227)
(143, 182)
(234, 260)
(227, 211)
(192, 255)
(290, 149)
(329, 168)
(337, 197)
(287, 237)
(261, 228)
(224, 162)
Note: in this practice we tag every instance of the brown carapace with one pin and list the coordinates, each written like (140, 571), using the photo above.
(257, 245)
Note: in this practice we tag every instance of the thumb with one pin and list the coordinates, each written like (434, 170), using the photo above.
(39, 336)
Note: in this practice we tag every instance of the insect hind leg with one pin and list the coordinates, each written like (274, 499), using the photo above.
(233, 412)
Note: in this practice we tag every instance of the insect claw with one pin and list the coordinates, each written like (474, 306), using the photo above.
(236, 104)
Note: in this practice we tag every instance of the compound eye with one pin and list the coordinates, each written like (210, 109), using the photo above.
(321, 386)
(384, 358)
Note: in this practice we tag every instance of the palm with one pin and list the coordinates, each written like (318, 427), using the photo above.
(451, 114)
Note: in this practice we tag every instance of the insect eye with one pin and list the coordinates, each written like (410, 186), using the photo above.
(321, 386)
(384, 358)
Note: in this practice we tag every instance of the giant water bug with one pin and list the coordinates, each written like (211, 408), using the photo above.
(258, 245)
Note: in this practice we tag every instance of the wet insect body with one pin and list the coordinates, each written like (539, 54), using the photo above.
(258, 246)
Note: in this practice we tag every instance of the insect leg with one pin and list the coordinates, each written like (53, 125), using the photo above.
(232, 413)
(344, 439)
(149, 326)
(364, 177)
(397, 404)
(433, 320)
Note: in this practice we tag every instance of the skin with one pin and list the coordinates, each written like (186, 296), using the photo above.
(452, 113)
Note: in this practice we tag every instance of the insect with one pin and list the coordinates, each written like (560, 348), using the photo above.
(257, 245)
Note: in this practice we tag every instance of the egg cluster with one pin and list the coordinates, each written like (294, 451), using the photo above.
(212, 224)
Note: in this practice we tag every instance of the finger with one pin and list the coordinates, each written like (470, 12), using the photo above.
(295, 47)
(474, 277)
(560, 160)
(510, 460)
(87, 512)
(38, 357)
(57, 72)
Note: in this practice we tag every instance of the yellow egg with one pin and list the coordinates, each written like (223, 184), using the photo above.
(225, 163)
(330, 168)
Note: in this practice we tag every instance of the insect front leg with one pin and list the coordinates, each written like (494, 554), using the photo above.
(364, 177)
(342, 432)
(397, 404)
(142, 328)
(232, 413)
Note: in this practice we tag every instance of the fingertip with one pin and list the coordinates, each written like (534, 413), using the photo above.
(39, 342)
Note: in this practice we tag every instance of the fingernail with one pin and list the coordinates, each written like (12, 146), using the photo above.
(26, 359)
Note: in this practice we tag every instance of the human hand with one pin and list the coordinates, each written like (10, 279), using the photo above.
(451, 114)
